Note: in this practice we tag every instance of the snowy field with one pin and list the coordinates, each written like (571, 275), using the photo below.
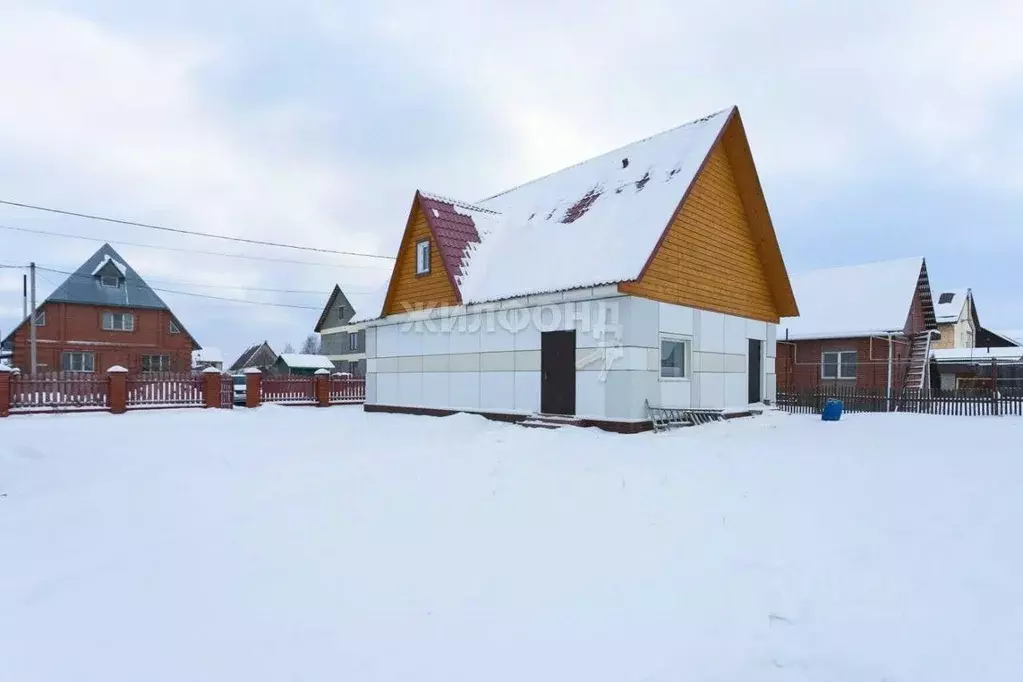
(302, 544)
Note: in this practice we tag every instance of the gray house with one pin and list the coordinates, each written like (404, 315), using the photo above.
(341, 341)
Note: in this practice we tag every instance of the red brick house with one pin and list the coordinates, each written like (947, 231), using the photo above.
(865, 326)
(103, 314)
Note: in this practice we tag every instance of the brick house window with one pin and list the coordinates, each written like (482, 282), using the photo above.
(353, 342)
(423, 257)
(40, 318)
(674, 357)
(109, 281)
(155, 363)
(119, 322)
(174, 328)
(77, 362)
(840, 364)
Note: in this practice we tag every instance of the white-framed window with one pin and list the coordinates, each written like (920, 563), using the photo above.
(40, 318)
(674, 357)
(77, 362)
(118, 322)
(155, 363)
(353, 342)
(109, 281)
(838, 364)
(423, 257)
(174, 328)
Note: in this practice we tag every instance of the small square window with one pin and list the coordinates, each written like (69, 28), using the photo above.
(423, 257)
(109, 281)
(838, 364)
(174, 328)
(674, 358)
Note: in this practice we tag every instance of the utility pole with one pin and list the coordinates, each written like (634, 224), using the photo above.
(32, 319)
(24, 297)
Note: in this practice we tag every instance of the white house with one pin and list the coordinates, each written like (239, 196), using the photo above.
(648, 274)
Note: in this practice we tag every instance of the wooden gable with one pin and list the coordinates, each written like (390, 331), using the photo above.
(719, 251)
(409, 291)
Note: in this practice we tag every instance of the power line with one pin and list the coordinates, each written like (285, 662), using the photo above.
(180, 250)
(190, 293)
(193, 233)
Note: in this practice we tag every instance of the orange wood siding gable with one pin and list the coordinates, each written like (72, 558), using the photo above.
(719, 251)
(408, 291)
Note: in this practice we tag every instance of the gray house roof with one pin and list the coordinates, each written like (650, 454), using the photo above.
(83, 286)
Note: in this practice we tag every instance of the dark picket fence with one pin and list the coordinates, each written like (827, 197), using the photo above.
(973, 403)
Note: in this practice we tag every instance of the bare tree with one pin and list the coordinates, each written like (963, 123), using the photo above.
(288, 348)
(311, 345)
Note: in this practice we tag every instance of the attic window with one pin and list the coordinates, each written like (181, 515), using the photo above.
(423, 257)
(945, 298)
(341, 312)
(174, 328)
(109, 281)
(579, 208)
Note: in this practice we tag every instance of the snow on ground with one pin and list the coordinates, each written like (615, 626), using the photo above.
(302, 544)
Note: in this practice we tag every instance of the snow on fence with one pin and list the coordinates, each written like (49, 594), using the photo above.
(347, 390)
(165, 390)
(964, 403)
(58, 391)
(288, 389)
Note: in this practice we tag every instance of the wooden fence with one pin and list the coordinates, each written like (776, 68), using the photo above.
(964, 403)
(347, 390)
(165, 390)
(58, 391)
(288, 389)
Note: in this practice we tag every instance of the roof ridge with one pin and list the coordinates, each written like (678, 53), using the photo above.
(702, 119)
(457, 202)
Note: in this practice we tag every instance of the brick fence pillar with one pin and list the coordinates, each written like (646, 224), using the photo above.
(321, 387)
(5, 390)
(253, 387)
(117, 391)
(210, 387)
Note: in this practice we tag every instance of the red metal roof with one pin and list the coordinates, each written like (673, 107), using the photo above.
(452, 230)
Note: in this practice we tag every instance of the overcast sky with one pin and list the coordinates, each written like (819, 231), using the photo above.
(880, 130)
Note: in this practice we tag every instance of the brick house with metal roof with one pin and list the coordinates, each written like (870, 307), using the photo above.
(103, 314)
(647, 275)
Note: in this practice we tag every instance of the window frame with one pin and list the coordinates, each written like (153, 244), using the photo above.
(353, 341)
(40, 318)
(687, 356)
(173, 327)
(839, 375)
(103, 281)
(165, 366)
(422, 257)
(70, 354)
(112, 327)
(341, 312)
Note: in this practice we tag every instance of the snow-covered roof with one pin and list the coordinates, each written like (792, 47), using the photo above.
(107, 260)
(305, 361)
(207, 355)
(948, 304)
(592, 223)
(853, 301)
(966, 355)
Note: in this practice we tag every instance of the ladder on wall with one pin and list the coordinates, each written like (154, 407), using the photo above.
(919, 359)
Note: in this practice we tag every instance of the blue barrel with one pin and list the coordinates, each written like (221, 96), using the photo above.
(832, 411)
